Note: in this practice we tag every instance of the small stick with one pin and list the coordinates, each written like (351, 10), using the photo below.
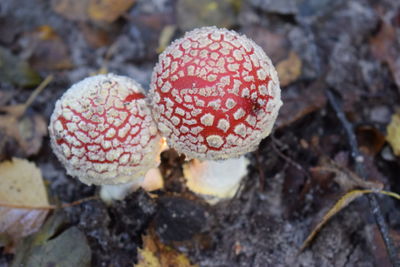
(360, 170)
(48, 207)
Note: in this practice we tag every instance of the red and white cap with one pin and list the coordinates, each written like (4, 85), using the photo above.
(215, 94)
(103, 132)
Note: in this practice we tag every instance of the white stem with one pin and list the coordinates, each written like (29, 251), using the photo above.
(215, 180)
(151, 181)
(111, 192)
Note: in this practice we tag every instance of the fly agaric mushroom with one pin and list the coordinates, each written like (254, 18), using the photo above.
(215, 95)
(103, 133)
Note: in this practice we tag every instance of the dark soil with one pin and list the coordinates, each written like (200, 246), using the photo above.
(342, 48)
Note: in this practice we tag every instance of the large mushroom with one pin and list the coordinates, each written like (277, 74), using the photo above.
(215, 95)
(102, 131)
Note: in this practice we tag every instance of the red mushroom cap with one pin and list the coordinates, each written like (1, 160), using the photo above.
(103, 132)
(215, 94)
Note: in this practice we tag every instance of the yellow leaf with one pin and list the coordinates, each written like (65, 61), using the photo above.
(393, 134)
(94, 10)
(289, 69)
(156, 254)
(108, 10)
(23, 198)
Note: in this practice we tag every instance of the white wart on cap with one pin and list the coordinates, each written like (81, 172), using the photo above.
(215, 94)
(103, 132)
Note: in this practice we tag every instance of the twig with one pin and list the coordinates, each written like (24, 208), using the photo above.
(289, 160)
(360, 170)
(48, 207)
(37, 91)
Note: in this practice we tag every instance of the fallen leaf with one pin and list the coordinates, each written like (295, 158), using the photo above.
(345, 178)
(340, 205)
(289, 69)
(393, 134)
(385, 46)
(23, 199)
(300, 101)
(51, 246)
(16, 71)
(108, 10)
(370, 139)
(94, 10)
(193, 14)
(26, 129)
(156, 254)
(98, 36)
(275, 45)
(46, 49)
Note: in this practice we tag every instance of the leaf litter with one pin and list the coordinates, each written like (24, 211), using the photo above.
(24, 203)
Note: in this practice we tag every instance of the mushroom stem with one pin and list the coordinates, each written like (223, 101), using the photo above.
(151, 181)
(215, 180)
(111, 192)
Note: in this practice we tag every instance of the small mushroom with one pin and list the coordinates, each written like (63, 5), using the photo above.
(215, 95)
(103, 133)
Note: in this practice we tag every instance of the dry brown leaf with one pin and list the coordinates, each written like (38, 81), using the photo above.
(27, 130)
(94, 10)
(340, 205)
(108, 10)
(385, 46)
(156, 254)
(23, 199)
(347, 179)
(393, 134)
(370, 139)
(300, 101)
(275, 45)
(289, 69)
(46, 49)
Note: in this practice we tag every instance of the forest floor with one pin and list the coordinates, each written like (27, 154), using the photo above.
(333, 57)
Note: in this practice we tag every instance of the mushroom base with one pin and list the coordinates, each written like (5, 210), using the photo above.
(215, 180)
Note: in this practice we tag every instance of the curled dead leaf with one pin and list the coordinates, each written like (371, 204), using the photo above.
(45, 49)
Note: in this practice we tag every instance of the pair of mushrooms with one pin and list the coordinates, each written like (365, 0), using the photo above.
(214, 95)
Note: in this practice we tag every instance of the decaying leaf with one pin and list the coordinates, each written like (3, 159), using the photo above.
(346, 179)
(193, 14)
(46, 49)
(289, 69)
(108, 10)
(340, 205)
(23, 199)
(27, 129)
(275, 44)
(95, 10)
(52, 247)
(393, 134)
(300, 101)
(13, 70)
(385, 46)
(370, 139)
(70, 248)
(156, 254)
